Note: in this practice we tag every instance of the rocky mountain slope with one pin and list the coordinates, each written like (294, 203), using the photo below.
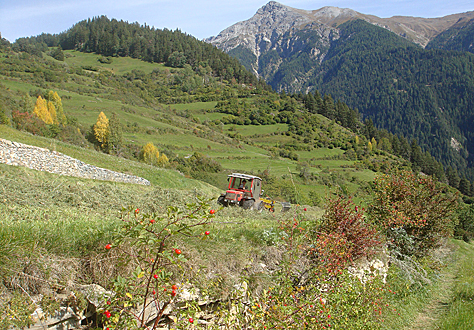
(267, 29)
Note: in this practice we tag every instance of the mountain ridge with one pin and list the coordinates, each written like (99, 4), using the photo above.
(416, 29)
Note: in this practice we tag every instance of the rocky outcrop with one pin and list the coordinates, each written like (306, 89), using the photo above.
(41, 159)
(275, 18)
(287, 31)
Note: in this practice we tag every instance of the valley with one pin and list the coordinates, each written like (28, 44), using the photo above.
(381, 221)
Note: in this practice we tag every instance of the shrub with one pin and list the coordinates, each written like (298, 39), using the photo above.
(145, 244)
(345, 222)
(412, 210)
(28, 122)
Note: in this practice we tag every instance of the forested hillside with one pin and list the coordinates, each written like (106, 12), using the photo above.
(421, 94)
(118, 38)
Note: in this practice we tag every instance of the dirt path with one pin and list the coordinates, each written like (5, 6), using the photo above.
(437, 304)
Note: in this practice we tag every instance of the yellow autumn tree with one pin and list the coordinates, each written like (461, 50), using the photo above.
(41, 110)
(101, 130)
(58, 105)
(150, 155)
(52, 112)
(374, 143)
(163, 160)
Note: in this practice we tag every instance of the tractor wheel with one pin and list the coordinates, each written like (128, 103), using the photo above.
(248, 203)
(221, 200)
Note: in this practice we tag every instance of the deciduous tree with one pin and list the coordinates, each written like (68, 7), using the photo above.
(41, 110)
(101, 130)
(150, 155)
(58, 105)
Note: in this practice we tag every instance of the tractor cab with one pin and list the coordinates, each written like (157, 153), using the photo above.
(243, 190)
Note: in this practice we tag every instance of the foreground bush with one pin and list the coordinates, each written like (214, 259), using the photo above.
(413, 211)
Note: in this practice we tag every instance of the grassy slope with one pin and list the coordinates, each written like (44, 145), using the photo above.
(161, 126)
(158, 177)
(56, 218)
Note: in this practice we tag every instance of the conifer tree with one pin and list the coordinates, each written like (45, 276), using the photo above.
(453, 177)
(4, 120)
(26, 103)
(464, 186)
(115, 132)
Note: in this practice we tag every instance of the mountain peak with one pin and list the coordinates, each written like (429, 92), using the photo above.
(271, 6)
(270, 20)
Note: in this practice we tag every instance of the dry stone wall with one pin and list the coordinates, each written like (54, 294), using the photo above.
(19, 154)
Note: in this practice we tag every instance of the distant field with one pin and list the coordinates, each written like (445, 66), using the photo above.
(249, 130)
(193, 107)
(119, 65)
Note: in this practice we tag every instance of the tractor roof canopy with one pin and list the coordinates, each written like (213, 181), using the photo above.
(244, 176)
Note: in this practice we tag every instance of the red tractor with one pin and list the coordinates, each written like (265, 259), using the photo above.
(244, 190)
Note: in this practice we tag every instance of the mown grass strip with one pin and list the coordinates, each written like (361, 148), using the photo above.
(460, 311)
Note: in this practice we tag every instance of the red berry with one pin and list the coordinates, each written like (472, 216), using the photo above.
(152, 221)
(177, 251)
(173, 293)
(207, 233)
(191, 320)
(108, 246)
(137, 210)
(212, 211)
(174, 287)
(108, 302)
(153, 292)
(155, 276)
(305, 209)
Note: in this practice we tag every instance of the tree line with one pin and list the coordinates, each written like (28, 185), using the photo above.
(110, 37)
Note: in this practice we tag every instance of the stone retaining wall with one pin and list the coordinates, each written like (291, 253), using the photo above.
(19, 154)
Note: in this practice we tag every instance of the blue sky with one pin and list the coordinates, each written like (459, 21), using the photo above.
(200, 18)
